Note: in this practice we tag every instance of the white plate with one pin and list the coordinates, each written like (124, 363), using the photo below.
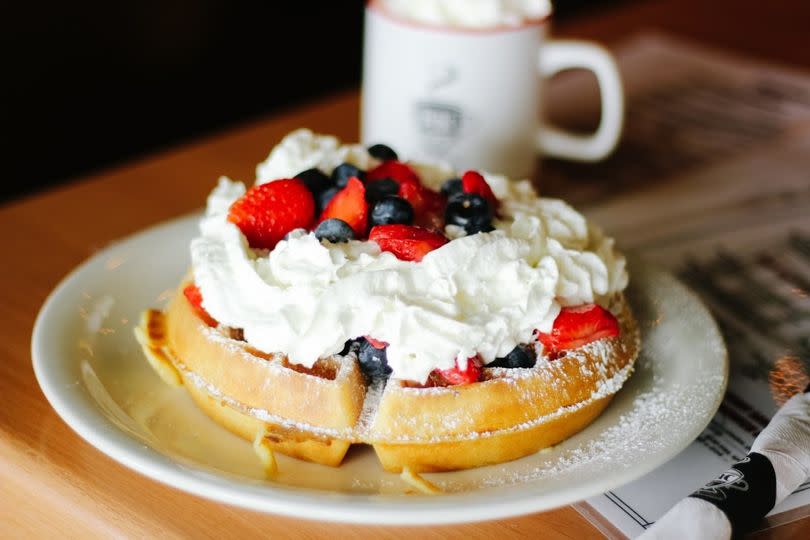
(92, 371)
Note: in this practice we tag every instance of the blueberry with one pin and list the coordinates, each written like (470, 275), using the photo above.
(470, 211)
(391, 209)
(316, 181)
(382, 152)
(344, 171)
(519, 357)
(324, 198)
(373, 361)
(477, 224)
(378, 189)
(348, 346)
(335, 230)
(451, 186)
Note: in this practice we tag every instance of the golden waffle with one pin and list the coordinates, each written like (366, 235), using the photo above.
(316, 414)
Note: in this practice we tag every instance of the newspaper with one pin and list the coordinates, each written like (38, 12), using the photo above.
(711, 180)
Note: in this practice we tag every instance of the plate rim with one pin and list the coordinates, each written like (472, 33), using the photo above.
(94, 427)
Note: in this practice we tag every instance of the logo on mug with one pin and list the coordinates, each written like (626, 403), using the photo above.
(439, 126)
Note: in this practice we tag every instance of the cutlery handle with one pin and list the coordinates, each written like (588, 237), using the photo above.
(745, 493)
(739, 498)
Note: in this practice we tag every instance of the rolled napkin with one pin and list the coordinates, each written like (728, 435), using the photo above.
(739, 498)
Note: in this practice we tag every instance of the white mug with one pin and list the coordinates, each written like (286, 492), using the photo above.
(471, 97)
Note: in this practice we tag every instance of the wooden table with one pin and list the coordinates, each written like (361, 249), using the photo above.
(53, 483)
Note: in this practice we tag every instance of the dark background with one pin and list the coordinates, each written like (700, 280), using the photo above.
(86, 85)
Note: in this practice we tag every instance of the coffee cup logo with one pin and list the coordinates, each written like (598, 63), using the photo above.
(439, 127)
(438, 122)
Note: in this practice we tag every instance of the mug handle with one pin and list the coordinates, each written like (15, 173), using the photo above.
(561, 55)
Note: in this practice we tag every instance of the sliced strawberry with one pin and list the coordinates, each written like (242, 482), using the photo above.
(349, 204)
(473, 182)
(428, 205)
(413, 194)
(376, 343)
(433, 213)
(456, 375)
(267, 212)
(194, 297)
(577, 326)
(395, 170)
(407, 242)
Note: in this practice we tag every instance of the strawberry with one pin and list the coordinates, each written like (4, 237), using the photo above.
(407, 242)
(194, 297)
(395, 170)
(349, 204)
(428, 205)
(473, 182)
(577, 326)
(455, 375)
(267, 212)
(376, 343)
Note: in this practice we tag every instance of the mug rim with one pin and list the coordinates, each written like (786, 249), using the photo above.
(375, 5)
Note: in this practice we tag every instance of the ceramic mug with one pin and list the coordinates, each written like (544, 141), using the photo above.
(471, 97)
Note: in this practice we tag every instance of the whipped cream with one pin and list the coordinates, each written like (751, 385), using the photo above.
(483, 293)
(302, 150)
(469, 13)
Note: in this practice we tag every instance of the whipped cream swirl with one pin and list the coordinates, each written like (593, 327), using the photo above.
(469, 13)
(480, 294)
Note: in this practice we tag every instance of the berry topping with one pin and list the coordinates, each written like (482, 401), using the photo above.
(577, 326)
(194, 297)
(478, 224)
(407, 242)
(470, 211)
(391, 209)
(455, 375)
(473, 182)
(349, 204)
(382, 152)
(451, 186)
(315, 180)
(378, 189)
(344, 171)
(519, 357)
(373, 360)
(269, 211)
(348, 346)
(428, 206)
(334, 230)
(395, 170)
(376, 342)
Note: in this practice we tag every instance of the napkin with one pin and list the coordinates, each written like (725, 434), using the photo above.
(739, 498)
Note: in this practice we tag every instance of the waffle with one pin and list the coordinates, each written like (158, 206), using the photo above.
(317, 414)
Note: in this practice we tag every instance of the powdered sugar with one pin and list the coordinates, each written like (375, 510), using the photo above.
(614, 447)
(371, 404)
